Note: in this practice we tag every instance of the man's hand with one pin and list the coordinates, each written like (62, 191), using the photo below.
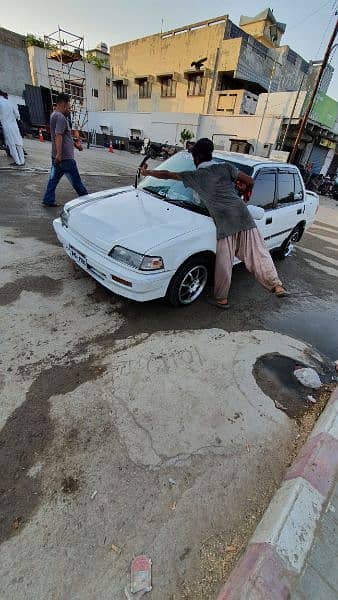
(58, 159)
(144, 170)
(78, 144)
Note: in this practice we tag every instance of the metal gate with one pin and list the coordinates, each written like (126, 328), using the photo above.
(317, 158)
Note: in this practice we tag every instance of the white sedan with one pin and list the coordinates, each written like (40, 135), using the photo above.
(159, 241)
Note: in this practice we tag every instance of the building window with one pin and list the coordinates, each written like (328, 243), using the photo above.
(95, 93)
(121, 90)
(196, 84)
(291, 56)
(168, 87)
(144, 88)
(74, 89)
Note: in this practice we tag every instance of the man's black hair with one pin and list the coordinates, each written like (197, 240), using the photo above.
(62, 97)
(203, 150)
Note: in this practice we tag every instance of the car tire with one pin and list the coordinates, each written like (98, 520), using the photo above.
(189, 281)
(293, 238)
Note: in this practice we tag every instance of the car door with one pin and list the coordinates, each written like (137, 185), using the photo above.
(264, 195)
(290, 205)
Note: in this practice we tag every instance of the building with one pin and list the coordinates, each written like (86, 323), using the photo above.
(14, 60)
(25, 57)
(211, 67)
(98, 81)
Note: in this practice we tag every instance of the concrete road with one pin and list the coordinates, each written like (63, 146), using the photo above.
(105, 400)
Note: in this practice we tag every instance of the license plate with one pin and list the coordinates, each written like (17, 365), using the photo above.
(79, 258)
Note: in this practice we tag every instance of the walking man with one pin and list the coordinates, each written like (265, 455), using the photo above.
(63, 162)
(237, 234)
(13, 140)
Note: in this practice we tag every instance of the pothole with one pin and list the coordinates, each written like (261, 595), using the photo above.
(274, 373)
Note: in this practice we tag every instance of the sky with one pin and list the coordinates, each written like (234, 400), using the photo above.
(309, 23)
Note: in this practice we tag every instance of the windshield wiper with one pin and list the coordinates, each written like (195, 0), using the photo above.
(156, 193)
(187, 204)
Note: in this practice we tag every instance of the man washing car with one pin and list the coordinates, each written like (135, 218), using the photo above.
(237, 234)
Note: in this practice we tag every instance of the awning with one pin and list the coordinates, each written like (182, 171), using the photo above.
(174, 76)
(205, 72)
(120, 80)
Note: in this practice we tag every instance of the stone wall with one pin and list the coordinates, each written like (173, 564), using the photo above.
(14, 65)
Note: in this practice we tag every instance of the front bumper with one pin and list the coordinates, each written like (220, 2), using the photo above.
(143, 286)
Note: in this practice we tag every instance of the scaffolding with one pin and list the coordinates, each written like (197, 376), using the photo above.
(66, 66)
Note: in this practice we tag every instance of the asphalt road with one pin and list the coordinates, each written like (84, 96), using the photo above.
(104, 400)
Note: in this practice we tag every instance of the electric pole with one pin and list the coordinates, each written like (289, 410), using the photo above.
(314, 93)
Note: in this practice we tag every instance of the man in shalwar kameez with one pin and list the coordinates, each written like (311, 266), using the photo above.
(8, 117)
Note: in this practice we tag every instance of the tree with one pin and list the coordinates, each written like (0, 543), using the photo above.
(186, 136)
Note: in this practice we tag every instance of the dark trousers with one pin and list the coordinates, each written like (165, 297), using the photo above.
(66, 167)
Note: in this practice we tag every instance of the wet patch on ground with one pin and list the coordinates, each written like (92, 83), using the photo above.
(274, 374)
(69, 485)
(41, 284)
(26, 434)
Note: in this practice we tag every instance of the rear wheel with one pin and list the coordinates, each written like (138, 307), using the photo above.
(286, 246)
(189, 281)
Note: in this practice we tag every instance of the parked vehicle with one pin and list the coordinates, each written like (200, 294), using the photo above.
(159, 240)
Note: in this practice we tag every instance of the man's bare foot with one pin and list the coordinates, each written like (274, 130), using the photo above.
(220, 303)
(280, 292)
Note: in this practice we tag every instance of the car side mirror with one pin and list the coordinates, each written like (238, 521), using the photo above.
(257, 212)
(298, 196)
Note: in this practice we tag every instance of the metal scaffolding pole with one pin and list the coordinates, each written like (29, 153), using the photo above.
(66, 67)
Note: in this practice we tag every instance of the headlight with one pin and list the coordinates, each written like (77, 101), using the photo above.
(64, 218)
(136, 260)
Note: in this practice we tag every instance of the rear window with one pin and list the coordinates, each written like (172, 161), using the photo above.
(264, 190)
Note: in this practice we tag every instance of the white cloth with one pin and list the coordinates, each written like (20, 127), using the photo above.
(8, 117)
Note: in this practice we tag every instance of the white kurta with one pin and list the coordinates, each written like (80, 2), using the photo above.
(8, 116)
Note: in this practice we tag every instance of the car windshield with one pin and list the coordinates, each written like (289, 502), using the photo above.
(172, 190)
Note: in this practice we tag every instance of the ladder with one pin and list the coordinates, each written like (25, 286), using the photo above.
(66, 67)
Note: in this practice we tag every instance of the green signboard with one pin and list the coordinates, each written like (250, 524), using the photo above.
(324, 110)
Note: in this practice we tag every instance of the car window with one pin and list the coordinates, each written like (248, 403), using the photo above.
(169, 188)
(286, 188)
(299, 193)
(263, 192)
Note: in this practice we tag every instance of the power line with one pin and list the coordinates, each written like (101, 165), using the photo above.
(334, 13)
(309, 15)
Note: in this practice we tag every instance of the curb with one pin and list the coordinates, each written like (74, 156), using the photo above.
(278, 549)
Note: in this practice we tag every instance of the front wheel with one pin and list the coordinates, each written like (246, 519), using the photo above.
(286, 247)
(188, 282)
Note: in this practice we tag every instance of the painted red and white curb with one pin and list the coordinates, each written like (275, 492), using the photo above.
(277, 551)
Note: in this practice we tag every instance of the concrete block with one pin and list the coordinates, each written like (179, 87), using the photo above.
(290, 521)
(317, 462)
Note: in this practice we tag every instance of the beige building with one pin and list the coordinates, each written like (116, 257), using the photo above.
(211, 67)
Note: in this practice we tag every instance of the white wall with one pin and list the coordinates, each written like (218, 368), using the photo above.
(159, 127)
(280, 104)
(242, 127)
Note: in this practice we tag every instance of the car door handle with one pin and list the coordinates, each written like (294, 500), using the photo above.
(299, 211)
(268, 221)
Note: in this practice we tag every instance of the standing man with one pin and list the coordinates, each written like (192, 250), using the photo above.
(13, 140)
(237, 234)
(63, 162)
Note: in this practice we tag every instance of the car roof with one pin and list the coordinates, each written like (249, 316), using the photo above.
(250, 160)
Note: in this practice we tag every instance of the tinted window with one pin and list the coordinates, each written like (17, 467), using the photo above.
(286, 188)
(263, 193)
(299, 194)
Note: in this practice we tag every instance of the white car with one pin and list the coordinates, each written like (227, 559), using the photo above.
(159, 241)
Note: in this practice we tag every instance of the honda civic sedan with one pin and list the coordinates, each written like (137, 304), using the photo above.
(158, 240)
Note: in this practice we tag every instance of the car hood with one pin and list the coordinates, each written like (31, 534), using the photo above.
(133, 219)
